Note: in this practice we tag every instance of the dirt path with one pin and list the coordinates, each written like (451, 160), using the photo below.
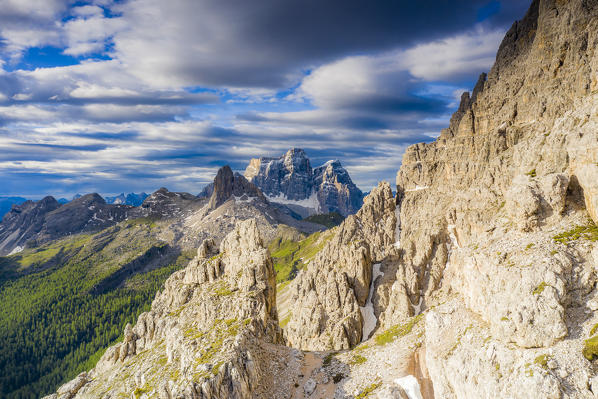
(312, 370)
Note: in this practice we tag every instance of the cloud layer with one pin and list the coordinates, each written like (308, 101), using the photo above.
(114, 96)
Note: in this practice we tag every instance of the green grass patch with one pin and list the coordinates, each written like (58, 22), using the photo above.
(540, 289)
(357, 359)
(140, 391)
(369, 390)
(590, 348)
(291, 256)
(588, 232)
(542, 361)
(400, 330)
(144, 221)
(221, 288)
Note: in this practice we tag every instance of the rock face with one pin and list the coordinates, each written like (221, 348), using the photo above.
(482, 209)
(34, 223)
(291, 180)
(335, 189)
(167, 204)
(227, 184)
(327, 296)
(209, 334)
(24, 222)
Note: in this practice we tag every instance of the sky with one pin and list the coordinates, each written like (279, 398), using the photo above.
(115, 96)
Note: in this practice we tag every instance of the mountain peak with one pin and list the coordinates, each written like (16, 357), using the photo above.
(291, 180)
(226, 184)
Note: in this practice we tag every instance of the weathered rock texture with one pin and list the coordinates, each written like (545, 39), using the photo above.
(291, 180)
(480, 207)
(209, 334)
(328, 294)
(227, 184)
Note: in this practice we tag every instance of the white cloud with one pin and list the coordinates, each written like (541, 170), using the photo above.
(90, 34)
(454, 58)
(87, 11)
(29, 23)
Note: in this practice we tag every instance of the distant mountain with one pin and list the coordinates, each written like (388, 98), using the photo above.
(37, 222)
(132, 199)
(6, 204)
(290, 180)
(164, 203)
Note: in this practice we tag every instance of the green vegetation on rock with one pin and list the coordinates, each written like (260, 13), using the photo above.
(542, 361)
(590, 348)
(400, 330)
(540, 289)
(291, 256)
(368, 390)
(588, 232)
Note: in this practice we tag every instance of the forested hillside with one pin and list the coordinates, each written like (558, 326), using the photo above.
(64, 303)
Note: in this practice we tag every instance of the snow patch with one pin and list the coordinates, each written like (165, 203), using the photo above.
(417, 188)
(16, 250)
(311, 202)
(410, 385)
(367, 311)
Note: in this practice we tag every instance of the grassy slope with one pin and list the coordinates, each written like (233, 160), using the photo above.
(291, 256)
(52, 325)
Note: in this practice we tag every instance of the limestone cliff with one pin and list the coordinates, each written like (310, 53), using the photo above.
(489, 213)
(327, 296)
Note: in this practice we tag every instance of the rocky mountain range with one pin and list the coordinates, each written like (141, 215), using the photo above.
(476, 280)
(290, 180)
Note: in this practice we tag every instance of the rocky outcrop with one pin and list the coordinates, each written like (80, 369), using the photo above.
(167, 204)
(209, 333)
(227, 185)
(329, 294)
(335, 190)
(290, 175)
(290, 180)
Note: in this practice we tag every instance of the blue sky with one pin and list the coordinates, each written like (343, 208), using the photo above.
(110, 96)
